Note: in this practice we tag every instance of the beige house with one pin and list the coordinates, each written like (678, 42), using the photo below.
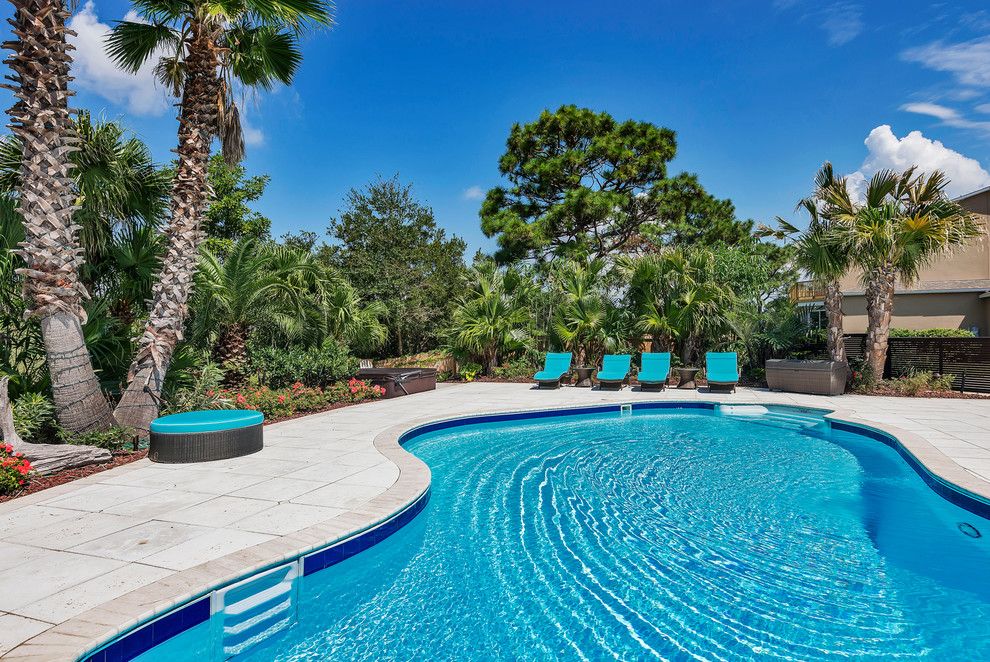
(953, 293)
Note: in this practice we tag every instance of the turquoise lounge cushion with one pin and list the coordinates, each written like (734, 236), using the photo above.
(722, 367)
(207, 421)
(556, 365)
(615, 367)
(656, 367)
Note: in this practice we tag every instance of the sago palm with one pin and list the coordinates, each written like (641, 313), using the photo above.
(255, 283)
(210, 48)
(905, 223)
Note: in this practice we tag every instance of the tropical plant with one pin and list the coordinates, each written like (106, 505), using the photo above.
(491, 320)
(823, 250)
(45, 199)
(255, 283)
(208, 49)
(679, 300)
(320, 365)
(586, 321)
(904, 223)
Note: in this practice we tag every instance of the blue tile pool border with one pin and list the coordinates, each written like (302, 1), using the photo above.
(156, 631)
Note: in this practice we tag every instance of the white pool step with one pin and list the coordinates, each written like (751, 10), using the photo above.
(794, 419)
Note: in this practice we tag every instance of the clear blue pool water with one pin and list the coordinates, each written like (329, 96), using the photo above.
(652, 536)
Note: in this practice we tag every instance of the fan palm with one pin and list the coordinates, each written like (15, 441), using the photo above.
(492, 319)
(203, 48)
(679, 299)
(822, 251)
(905, 222)
(584, 321)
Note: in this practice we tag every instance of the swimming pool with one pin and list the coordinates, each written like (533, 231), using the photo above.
(672, 534)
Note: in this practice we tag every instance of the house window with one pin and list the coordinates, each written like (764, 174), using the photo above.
(814, 316)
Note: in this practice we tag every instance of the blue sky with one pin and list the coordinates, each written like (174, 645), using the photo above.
(759, 93)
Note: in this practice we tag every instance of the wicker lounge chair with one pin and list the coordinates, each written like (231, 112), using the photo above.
(722, 371)
(556, 366)
(615, 371)
(655, 371)
(201, 436)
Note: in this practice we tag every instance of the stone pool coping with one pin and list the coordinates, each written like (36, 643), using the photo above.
(86, 632)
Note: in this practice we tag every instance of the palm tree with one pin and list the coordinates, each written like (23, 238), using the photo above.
(679, 299)
(44, 172)
(492, 318)
(822, 251)
(585, 320)
(905, 222)
(208, 46)
(255, 283)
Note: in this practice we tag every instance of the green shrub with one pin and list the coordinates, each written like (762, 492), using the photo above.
(279, 367)
(931, 333)
(469, 371)
(113, 439)
(32, 413)
(516, 369)
(920, 382)
(297, 399)
(202, 391)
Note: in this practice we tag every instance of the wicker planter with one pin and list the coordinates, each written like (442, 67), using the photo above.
(812, 377)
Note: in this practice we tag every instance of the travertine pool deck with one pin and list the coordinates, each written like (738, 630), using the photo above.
(83, 561)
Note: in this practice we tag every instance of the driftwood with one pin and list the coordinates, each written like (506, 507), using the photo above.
(45, 458)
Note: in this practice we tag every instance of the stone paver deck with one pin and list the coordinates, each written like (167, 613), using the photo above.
(83, 561)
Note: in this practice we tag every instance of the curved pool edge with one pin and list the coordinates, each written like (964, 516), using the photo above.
(90, 635)
(82, 636)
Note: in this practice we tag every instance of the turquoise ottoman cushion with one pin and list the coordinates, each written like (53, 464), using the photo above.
(207, 421)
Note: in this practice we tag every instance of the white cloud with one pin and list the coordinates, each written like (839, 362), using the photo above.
(949, 116)
(968, 61)
(842, 22)
(473, 193)
(888, 151)
(95, 71)
(983, 108)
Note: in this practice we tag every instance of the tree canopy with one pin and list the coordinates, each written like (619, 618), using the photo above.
(229, 216)
(392, 252)
(581, 183)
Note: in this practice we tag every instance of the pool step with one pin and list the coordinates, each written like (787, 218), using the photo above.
(249, 612)
(793, 419)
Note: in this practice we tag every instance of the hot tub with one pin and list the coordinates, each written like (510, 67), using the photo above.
(400, 381)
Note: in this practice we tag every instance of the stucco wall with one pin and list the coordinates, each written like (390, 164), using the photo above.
(924, 311)
(969, 263)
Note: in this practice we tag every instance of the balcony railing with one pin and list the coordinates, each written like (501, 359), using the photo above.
(806, 292)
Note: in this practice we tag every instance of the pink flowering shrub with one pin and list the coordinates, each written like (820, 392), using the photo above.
(298, 398)
(14, 470)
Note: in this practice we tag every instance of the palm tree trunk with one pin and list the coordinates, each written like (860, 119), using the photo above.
(879, 309)
(170, 294)
(41, 121)
(833, 311)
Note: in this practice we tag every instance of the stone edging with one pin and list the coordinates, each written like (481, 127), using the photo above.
(82, 634)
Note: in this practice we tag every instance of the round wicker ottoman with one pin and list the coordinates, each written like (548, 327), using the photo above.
(201, 436)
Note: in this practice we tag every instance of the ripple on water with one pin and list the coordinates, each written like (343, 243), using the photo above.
(655, 536)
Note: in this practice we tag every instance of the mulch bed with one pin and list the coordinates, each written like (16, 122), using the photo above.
(39, 483)
(947, 395)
